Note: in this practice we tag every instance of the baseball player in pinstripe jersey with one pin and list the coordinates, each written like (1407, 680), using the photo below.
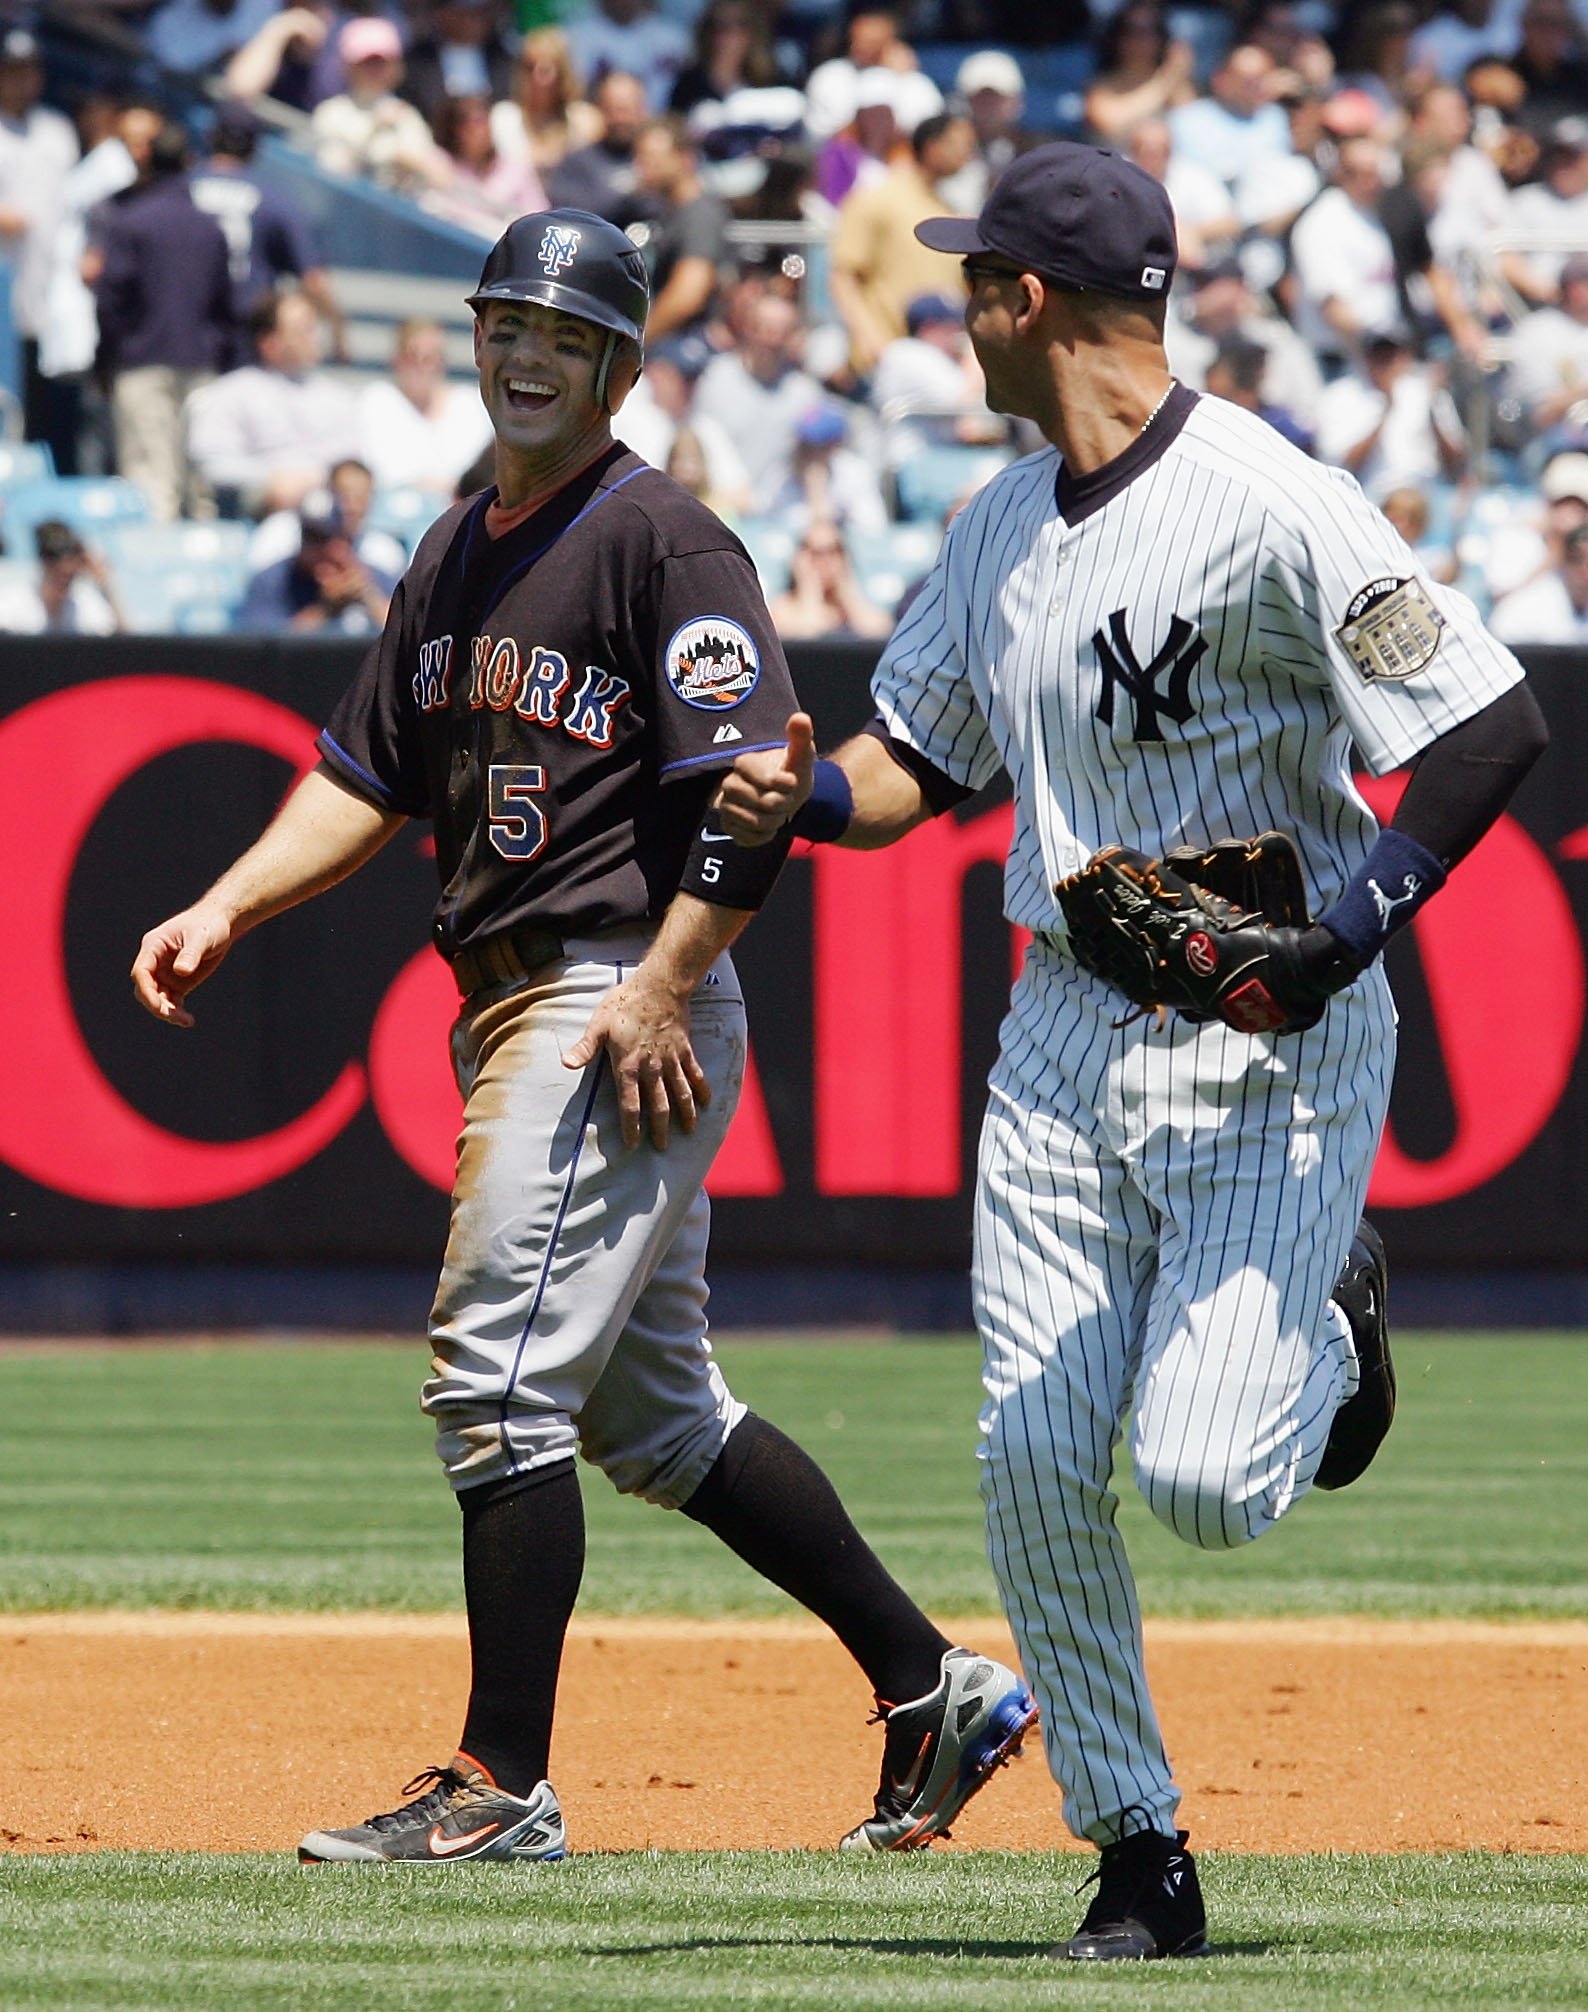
(1170, 628)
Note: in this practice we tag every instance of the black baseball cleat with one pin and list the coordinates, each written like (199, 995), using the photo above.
(458, 1814)
(1361, 1293)
(1148, 1904)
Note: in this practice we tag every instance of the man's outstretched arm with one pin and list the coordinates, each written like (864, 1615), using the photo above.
(321, 834)
(763, 792)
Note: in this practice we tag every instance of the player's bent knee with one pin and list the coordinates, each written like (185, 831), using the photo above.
(668, 1463)
(1212, 1511)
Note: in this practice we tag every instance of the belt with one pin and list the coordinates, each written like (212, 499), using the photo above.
(503, 959)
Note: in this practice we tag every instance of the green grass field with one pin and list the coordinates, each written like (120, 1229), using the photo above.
(281, 1476)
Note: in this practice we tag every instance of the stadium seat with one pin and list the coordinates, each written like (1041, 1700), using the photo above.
(162, 570)
(405, 514)
(888, 563)
(771, 548)
(25, 461)
(89, 503)
(931, 482)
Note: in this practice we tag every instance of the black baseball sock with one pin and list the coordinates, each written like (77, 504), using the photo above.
(769, 1501)
(523, 1557)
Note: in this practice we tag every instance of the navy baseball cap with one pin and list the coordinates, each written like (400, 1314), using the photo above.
(1083, 216)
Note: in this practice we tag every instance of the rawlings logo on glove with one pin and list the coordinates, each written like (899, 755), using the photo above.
(1221, 933)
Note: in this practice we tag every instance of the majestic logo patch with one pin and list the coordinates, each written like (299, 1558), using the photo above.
(559, 246)
(1391, 629)
(713, 664)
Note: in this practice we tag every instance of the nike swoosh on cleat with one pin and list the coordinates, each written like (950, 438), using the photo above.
(908, 1782)
(443, 1847)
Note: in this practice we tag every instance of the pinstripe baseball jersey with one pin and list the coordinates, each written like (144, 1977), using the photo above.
(1183, 648)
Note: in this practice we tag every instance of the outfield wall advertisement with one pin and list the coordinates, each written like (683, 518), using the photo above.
(310, 1114)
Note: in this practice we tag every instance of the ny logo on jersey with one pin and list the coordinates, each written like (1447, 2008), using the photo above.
(559, 246)
(1176, 660)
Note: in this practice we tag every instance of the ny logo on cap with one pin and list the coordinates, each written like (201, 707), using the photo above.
(559, 247)
(1153, 276)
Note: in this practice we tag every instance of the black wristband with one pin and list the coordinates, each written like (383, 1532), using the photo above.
(728, 874)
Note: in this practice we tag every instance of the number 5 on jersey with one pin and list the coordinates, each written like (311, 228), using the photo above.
(518, 824)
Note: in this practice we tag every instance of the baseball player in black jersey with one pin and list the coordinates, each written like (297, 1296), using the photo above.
(573, 660)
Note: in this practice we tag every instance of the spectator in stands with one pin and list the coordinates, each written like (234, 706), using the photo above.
(1238, 124)
(1549, 60)
(323, 589)
(878, 265)
(1390, 420)
(1222, 307)
(1206, 225)
(419, 429)
(690, 467)
(601, 177)
(266, 233)
(1276, 188)
(74, 594)
(293, 58)
(1554, 208)
(479, 188)
(824, 598)
(992, 89)
(661, 406)
(733, 51)
(1472, 201)
(861, 151)
(1407, 510)
(1463, 34)
(1548, 369)
(872, 42)
(188, 37)
(758, 393)
(1377, 57)
(687, 246)
(1237, 374)
(1282, 31)
(265, 435)
(461, 54)
(166, 320)
(1515, 551)
(630, 36)
(116, 142)
(352, 484)
(1143, 72)
(1343, 260)
(1554, 607)
(931, 367)
(827, 480)
(367, 129)
(547, 117)
(1433, 303)
(38, 149)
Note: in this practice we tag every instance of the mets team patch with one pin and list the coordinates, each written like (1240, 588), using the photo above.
(1391, 629)
(712, 663)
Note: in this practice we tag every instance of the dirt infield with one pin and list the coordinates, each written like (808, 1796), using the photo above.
(215, 1732)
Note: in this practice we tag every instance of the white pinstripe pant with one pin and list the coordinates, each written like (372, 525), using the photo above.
(1160, 1212)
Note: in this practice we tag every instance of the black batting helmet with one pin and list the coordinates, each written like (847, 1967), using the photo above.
(572, 260)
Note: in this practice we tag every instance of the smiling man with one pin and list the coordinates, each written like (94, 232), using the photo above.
(573, 660)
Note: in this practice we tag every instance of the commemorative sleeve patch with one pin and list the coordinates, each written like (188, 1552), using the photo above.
(713, 664)
(1391, 630)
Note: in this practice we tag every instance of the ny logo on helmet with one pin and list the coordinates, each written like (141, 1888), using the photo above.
(558, 247)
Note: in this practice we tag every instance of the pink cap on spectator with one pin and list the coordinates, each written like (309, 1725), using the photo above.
(1353, 115)
(368, 39)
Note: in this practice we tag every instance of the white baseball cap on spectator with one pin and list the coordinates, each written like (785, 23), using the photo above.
(369, 38)
(876, 88)
(915, 97)
(990, 70)
(1566, 475)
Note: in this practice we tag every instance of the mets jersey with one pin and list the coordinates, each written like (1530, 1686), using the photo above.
(535, 692)
(1181, 647)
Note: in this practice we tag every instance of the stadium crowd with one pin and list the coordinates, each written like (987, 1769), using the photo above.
(1383, 216)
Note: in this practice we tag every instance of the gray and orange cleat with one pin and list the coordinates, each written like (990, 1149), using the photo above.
(457, 1813)
(940, 1749)
(1361, 1293)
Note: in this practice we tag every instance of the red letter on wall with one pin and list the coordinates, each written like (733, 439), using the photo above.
(887, 1007)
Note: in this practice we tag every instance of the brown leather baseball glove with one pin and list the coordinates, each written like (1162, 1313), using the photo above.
(1220, 933)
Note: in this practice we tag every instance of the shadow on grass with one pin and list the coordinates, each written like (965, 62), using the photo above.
(881, 1945)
